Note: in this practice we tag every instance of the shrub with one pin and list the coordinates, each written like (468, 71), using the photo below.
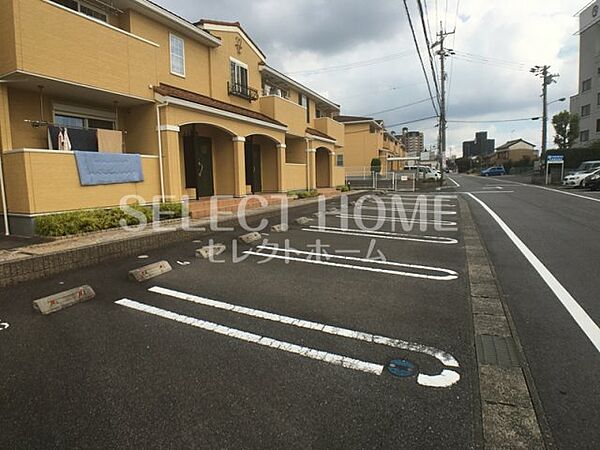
(376, 165)
(343, 188)
(86, 221)
(308, 194)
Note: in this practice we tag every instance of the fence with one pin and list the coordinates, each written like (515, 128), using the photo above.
(405, 181)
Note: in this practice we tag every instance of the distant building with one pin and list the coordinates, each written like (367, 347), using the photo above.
(587, 100)
(414, 142)
(481, 146)
(514, 151)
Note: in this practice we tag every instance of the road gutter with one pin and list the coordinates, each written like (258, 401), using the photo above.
(511, 412)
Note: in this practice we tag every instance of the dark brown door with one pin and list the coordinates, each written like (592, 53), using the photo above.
(198, 165)
(253, 166)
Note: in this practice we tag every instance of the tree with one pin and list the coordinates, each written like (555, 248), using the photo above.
(376, 165)
(567, 129)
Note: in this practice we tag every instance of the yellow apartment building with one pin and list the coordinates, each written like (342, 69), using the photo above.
(100, 101)
(366, 139)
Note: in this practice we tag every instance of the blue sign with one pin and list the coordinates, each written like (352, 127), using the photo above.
(556, 158)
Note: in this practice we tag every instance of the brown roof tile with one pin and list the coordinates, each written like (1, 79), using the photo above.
(171, 91)
(319, 134)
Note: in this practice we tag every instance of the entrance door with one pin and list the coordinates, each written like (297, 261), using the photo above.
(198, 165)
(253, 166)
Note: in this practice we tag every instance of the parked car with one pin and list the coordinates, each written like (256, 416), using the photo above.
(493, 171)
(592, 181)
(425, 172)
(578, 179)
(585, 166)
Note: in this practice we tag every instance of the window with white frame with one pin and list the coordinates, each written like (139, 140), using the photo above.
(177, 55)
(303, 101)
(239, 78)
(83, 8)
(339, 160)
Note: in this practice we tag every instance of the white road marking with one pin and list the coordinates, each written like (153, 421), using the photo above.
(457, 185)
(558, 191)
(583, 320)
(330, 358)
(487, 192)
(399, 219)
(382, 235)
(445, 379)
(450, 274)
(4, 326)
(445, 358)
(430, 211)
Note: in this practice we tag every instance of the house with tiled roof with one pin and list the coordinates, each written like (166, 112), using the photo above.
(174, 108)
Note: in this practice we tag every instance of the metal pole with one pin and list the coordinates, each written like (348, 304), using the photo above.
(4, 205)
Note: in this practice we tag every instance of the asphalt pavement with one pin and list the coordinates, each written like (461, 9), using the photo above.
(318, 337)
(550, 283)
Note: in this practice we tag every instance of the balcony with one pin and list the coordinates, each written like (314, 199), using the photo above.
(285, 111)
(243, 91)
(55, 42)
(331, 128)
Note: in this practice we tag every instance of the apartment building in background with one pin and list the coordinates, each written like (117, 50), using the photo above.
(172, 108)
(366, 139)
(481, 146)
(413, 141)
(586, 103)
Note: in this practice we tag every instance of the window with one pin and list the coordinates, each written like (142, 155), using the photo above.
(83, 8)
(78, 117)
(585, 110)
(586, 85)
(339, 160)
(584, 136)
(239, 81)
(177, 55)
(303, 101)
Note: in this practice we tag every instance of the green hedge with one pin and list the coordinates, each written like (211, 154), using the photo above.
(78, 222)
(575, 156)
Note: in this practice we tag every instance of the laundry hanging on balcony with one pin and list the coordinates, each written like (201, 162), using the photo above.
(81, 139)
(108, 168)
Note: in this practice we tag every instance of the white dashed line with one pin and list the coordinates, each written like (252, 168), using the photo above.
(382, 235)
(585, 322)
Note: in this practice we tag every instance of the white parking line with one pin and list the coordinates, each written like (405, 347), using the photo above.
(487, 192)
(430, 211)
(382, 235)
(330, 358)
(445, 358)
(398, 219)
(323, 259)
(583, 320)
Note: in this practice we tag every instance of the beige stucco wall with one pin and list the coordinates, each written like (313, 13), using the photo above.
(44, 181)
(360, 146)
(295, 177)
(8, 50)
(323, 168)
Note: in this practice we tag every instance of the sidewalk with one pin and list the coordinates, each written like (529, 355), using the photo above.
(40, 260)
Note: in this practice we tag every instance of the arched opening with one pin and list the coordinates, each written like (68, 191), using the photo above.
(323, 170)
(207, 160)
(261, 164)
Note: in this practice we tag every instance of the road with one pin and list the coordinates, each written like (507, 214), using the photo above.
(562, 229)
(289, 353)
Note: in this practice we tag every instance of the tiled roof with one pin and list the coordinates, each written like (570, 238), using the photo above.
(171, 91)
(344, 119)
(238, 25)
(513, 142)
(319, 134)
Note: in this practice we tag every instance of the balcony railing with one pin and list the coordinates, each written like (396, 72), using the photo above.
(243, 91)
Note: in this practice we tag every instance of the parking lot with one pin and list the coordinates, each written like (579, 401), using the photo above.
(328, 334)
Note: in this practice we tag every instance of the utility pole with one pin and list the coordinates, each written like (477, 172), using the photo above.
(443, 53)
(547, 80)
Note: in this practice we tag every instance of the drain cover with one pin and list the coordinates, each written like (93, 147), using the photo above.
(402, 368)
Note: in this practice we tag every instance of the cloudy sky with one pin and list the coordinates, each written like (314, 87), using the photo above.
(361, 54)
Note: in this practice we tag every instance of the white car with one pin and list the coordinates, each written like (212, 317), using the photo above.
(577, 179)
(426, 172)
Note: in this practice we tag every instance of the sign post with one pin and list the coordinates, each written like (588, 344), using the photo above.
(555, 159)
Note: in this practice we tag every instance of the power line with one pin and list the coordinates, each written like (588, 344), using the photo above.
(412, 29)
(428, 42)
(354, 65)
(378, 91)
(394, 125)
(399, 107)
(495, 121)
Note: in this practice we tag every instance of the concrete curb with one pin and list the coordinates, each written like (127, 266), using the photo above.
(36, 266)
(511, 412)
